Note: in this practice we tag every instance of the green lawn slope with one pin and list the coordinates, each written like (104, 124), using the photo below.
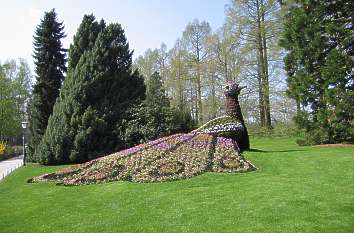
(295, 189)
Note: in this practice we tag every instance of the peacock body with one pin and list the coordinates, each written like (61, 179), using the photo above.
(232, 124)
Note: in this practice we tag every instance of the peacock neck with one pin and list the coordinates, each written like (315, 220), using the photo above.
(233, 108)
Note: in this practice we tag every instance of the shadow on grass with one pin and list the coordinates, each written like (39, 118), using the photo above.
(272, 151)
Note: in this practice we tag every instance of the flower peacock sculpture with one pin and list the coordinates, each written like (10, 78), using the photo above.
(232, 124)
(216, 146)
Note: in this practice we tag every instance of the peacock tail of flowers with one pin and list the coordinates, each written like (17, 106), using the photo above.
(179, 156)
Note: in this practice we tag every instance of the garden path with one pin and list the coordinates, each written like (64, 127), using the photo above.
(7, 166)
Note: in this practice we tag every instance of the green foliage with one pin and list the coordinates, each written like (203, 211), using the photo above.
(49, 58)
(88, 116)
(15, 85)
(155, 92)
(84, 39)
(11, 151)
(182, 120)
(280, 129)
(318, 36)
(7, 151)
(154, 117)
(317, 136)
(157, 107)
(8, 114)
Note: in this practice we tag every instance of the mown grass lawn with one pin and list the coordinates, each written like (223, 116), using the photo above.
(296, 189)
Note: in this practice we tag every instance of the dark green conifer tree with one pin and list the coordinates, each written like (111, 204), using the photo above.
(84, 39)
(155, 118)
(98, 91)
(319, 38)
(150, 119)
(159, 114)
(49, 58)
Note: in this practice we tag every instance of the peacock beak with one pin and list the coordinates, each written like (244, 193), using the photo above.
(242, 87)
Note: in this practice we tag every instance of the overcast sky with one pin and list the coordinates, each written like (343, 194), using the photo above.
(147, 23)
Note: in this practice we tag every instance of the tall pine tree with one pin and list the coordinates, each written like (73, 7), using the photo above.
(50, 59)
(84, 39)
(157, 108)
(87, 117)
(319, 38)
(155, 117)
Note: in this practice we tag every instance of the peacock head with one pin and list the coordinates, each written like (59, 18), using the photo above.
(232, 89)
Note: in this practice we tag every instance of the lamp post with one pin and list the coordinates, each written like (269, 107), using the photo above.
(24, 127)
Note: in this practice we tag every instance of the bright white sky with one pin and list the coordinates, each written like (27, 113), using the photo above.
(147, 23)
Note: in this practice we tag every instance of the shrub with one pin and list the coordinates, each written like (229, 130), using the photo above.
(2, 148)
(10, 151)
(315, 137)
(7, 152)
(279, 129)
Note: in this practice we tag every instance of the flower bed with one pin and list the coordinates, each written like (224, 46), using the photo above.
(179, 156)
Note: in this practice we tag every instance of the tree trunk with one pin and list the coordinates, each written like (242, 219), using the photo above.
(180, 101)
(261, 68)
(298, 106)
(213, 97)
(263, 79)
(199, 89)
(199, 96)
(268, 122)
(260, 99)
(195, 97)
